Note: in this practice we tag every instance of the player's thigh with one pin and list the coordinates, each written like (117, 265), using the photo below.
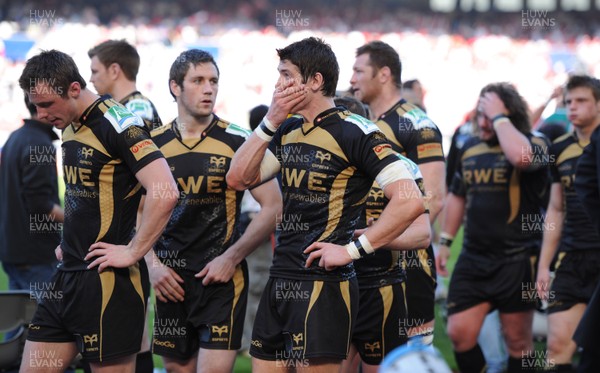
(350, 365)
(464, 326)
(562, 325)
(215, 361)
(124, 364)
(320, 365)
(47, 357)
(272, 366)
(173, 365)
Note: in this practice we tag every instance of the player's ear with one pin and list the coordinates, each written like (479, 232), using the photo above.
(74, 89)
(114, 70)
(316, 82)
(384, 74)
(175, 88)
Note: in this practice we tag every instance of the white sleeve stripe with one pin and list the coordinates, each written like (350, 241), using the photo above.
(393, 172)
(269, 166)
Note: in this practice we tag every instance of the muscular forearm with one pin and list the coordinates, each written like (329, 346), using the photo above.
(552, 229)
(259, 229)
(551, 240)
(155, 217)
(416, 236)
(434, 174)
(397, 216)
(246, 163)
(436, 204)
(514, 144)
(454, 211)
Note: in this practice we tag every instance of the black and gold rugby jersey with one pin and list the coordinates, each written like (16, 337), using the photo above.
(140, 105)
(586, 182)
(578, 231)
(100, 160)
(502, 203)
(383, 267)
(412, 133)
(203, 224)
(327, 169)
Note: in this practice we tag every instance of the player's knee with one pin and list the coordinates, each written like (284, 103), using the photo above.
(518, 340)
(178, 366)
(461, 335)
(557, 343)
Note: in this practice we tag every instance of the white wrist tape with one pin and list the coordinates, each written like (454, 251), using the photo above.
(353, 251)
(262, 134)
(269, 125)
(366, 244)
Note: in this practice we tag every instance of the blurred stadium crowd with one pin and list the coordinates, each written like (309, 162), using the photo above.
(452, 54)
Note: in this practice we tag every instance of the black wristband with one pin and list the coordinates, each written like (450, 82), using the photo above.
(266, 129)
(499, 116)
(360, 248)
(445, 241)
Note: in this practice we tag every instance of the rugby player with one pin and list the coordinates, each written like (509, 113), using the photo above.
(108, 157)
(376, 81)
(115, 65)
(568, 229)
(500, 183)
(328, 159)
(381, 324)
(198, 269)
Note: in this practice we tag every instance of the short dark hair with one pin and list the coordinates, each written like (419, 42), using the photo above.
(311, 56)
(54, 68)
(518, 112)
(182, 64)
(256, 115)
(381, 55)
(577, 81)
(31, 107)
(120, 52)
(409, 84)
(351, 104)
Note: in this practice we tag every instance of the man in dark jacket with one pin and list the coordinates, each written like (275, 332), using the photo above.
(30, 215)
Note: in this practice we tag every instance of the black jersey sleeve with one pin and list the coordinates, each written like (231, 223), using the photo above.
(420, 137)
(131, 140)
(367, 147)
(458, 186)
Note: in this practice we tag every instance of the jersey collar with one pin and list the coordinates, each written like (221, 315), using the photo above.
(320, 119)
(392, 109)
(203, 135)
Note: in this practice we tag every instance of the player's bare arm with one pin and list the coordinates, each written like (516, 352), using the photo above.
(164, 280)
(514, 144)
(417, 236)
(554, 218)
(252, 162)
(455, 209)
(399, 213)
(434, 174)
(156, 214)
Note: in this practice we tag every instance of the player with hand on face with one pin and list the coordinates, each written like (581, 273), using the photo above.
(328, 159)
(498, 189)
